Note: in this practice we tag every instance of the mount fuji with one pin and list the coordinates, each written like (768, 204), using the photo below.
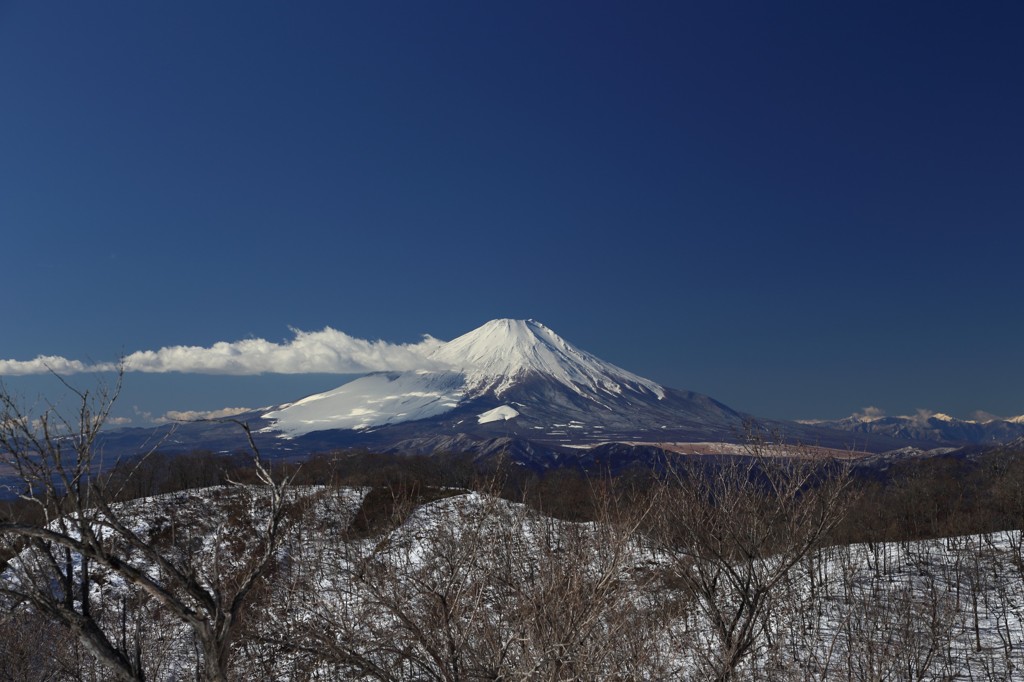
(512, 386)
(507, 378)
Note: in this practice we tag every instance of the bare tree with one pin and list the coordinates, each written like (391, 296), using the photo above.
(80, 544)
(731, 532)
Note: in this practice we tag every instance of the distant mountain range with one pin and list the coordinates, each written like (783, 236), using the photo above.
(932, 427)
(517, 387)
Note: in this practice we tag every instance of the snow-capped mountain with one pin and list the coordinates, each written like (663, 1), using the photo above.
(493, 363)
(506, 378)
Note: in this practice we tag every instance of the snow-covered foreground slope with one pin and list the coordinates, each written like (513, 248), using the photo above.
(944, 609)
(372, 586)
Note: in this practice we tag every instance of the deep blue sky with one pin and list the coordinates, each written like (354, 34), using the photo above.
(797, 208)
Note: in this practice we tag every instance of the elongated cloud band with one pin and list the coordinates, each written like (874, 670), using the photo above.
(195, 415)
(48, 363)
(328, 351)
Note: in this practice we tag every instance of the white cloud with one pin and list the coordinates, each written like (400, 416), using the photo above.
(118, 421)
(328, 351)
(984, 417)
(143, 415)
(195, 415)
(922, 415)
(868, 414)
(47, 363)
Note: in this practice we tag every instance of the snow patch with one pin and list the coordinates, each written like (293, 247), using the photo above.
(503, 413)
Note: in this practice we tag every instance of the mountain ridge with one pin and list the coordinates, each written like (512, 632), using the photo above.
(934, 427)
(514, 386)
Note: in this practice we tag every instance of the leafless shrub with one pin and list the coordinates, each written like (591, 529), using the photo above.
(86, 562)
(475, 587)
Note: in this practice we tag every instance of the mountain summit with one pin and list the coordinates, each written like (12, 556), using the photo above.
(502, 353)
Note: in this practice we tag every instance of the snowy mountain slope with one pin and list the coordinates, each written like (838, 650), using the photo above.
(502, 353)
(374, 400)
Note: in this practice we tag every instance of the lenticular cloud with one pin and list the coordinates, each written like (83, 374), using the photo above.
(328, 351)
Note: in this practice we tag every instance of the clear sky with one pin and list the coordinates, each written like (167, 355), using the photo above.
(798, 208)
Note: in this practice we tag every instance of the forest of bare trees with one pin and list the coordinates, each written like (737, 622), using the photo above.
(776, 565)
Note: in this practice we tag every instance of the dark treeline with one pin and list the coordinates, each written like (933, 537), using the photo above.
(912, 499)
(941, 496)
